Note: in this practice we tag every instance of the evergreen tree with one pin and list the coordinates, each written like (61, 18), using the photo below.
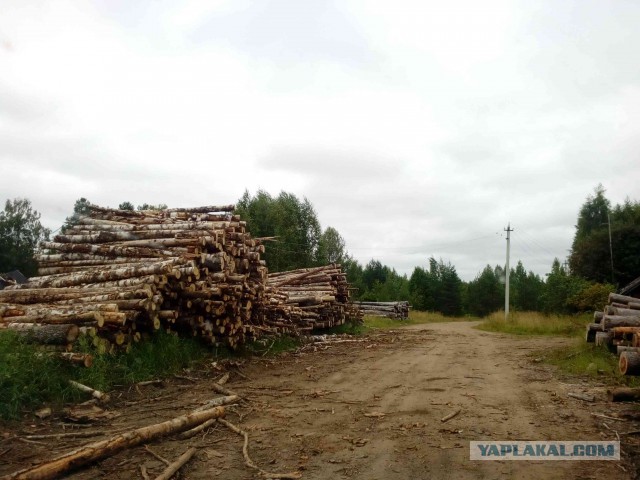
(20, 234)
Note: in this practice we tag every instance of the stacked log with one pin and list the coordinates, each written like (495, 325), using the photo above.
(397, 310)
(314, 298)
(119, 275)
(618, 328)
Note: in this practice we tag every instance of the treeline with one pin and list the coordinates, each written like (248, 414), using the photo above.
(297, 240)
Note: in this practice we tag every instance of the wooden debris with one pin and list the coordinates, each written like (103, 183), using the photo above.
(105, 448)
(450, 416)
(177, 465)
(582, 396)
(622, 394)
(247, 459)
(103, 397)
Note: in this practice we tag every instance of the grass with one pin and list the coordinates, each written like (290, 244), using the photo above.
(415, 318)
(586, 359)
(581, 358)
(30, 377)
(535, 323)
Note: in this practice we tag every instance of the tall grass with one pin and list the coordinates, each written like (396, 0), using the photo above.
(535, 323)
(415, 318)
(30, 376)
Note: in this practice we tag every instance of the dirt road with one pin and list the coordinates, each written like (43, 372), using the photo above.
(370, 408)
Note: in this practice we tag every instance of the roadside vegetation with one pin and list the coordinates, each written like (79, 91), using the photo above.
(536, 323)
(31, 377)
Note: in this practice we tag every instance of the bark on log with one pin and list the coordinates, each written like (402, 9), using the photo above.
(84, 359)
(99, 450)
(625, 348)
(615, 297)
(624, 394)
(611, 321)
(603, 339)
(629, 363)
(62, 334)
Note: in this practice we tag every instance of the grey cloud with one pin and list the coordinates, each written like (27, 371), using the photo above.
(289, 31)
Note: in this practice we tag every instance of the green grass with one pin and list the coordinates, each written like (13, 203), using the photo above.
(586, 359)
(270, 346)
(415, 318)
(31, 377)
(535, 323)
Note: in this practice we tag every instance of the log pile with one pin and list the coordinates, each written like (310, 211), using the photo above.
(618, 328)
(119, 275)
(314, 298)
(397, 310)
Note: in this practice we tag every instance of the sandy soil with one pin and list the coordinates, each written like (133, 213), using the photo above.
(369, 408)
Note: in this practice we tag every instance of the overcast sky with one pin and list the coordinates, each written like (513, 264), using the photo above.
(416, 128)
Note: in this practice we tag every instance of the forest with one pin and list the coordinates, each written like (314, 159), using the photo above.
(579, 284)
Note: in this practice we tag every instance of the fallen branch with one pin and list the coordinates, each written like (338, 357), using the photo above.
(582, 396)
(216, 402)
(177, 465)
(103, 397)
(63, 435)
(156, 456)
(247, 459)
(450, 416)
(105, 448)
(196, 430)
(223, 390)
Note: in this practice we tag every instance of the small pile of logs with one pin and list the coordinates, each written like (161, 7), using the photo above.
(313, 298)
(398, 310)
(119, 275)
(618, 328)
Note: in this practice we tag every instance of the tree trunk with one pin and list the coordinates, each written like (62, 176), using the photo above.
(47, 334)
(624, 394)
(629, 363)
(611, 321)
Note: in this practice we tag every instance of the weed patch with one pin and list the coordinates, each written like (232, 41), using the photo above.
(535, 323)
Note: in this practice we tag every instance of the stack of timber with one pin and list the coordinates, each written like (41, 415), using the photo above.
(397, 310)
(119, 275)
(618, 328)
(313, 298)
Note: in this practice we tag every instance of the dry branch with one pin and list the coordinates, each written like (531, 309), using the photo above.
(99, 450)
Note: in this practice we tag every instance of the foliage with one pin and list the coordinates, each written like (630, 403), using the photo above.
(592, 248)
(437, 289)
(149, 206)
(20, 234)
(559, 288)
(126, 206)
(485, 294)
(30, 376)
(331, 247)
(525, 289)
(592, 296)
(80, 207)
(26, 378)
(295, 224)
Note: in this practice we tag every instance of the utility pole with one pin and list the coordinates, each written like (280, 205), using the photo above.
(506, 283)
(610, 246)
